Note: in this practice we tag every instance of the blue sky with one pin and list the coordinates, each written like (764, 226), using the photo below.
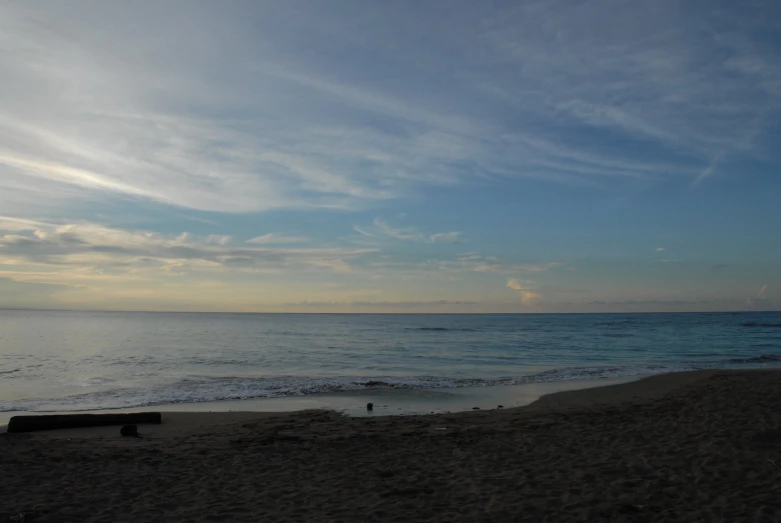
(561, 156)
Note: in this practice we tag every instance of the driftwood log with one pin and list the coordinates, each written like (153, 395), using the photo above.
(74, 421)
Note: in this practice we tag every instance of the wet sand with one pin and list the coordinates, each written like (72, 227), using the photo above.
(387, 401)
(695, 446)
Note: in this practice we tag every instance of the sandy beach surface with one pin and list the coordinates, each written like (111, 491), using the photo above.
(694, 446)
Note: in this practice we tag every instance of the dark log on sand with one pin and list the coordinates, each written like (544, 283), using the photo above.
(74, 421)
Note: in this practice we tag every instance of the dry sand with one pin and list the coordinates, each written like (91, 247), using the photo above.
(698, 446)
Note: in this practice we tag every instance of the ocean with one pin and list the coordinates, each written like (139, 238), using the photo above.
(64, 361)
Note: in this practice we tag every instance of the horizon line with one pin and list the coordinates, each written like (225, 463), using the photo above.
(32, 309)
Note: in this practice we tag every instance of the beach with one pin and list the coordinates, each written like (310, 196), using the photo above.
(691, 446)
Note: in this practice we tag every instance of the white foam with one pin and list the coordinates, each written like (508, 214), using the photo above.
(210, 389)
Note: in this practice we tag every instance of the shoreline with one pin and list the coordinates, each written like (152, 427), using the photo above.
(691, 446)
(387, 401)
(178, 420)
(401, 402)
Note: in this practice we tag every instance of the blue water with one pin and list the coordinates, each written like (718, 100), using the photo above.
(58, 360)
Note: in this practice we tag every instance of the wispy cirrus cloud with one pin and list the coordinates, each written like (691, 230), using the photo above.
(163, 118)
(271, 238)
(462, 266)
(477, 262)
(382, 228)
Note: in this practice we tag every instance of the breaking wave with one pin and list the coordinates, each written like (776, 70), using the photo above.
(209, 389)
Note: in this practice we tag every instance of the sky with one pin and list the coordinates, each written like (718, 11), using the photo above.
(406, 156)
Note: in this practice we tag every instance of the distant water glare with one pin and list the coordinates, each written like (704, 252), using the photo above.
(59, 361)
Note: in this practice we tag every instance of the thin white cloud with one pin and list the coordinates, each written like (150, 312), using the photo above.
(61, 173)
(451, 237)
(458, 268)
(88, 113)
(362, 231)
(476, 262)
(413, 235)
(709, 170)
(516, 285)
(219, 239)
(8, 223)
(760, 299)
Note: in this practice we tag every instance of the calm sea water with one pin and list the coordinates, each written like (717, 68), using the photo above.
(57, 360)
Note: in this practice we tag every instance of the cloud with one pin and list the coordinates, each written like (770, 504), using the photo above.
(122, 263)
(271, 238)
(386, 304)
(760, 298)
(89, 113)
(460, 267)
(411, 234)
(8, 224)
(85, 245)
(516, 285)
(219, 239)
(362, 232)
(709, 170)
(660, 249)
(476, 262)
(528, 297)
(449, 237)
(464, 267)
(364, 107)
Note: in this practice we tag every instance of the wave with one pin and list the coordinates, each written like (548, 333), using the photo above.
(759, 324)
(197, 390)
(442, 329)
(764, 358)
(209, 389)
